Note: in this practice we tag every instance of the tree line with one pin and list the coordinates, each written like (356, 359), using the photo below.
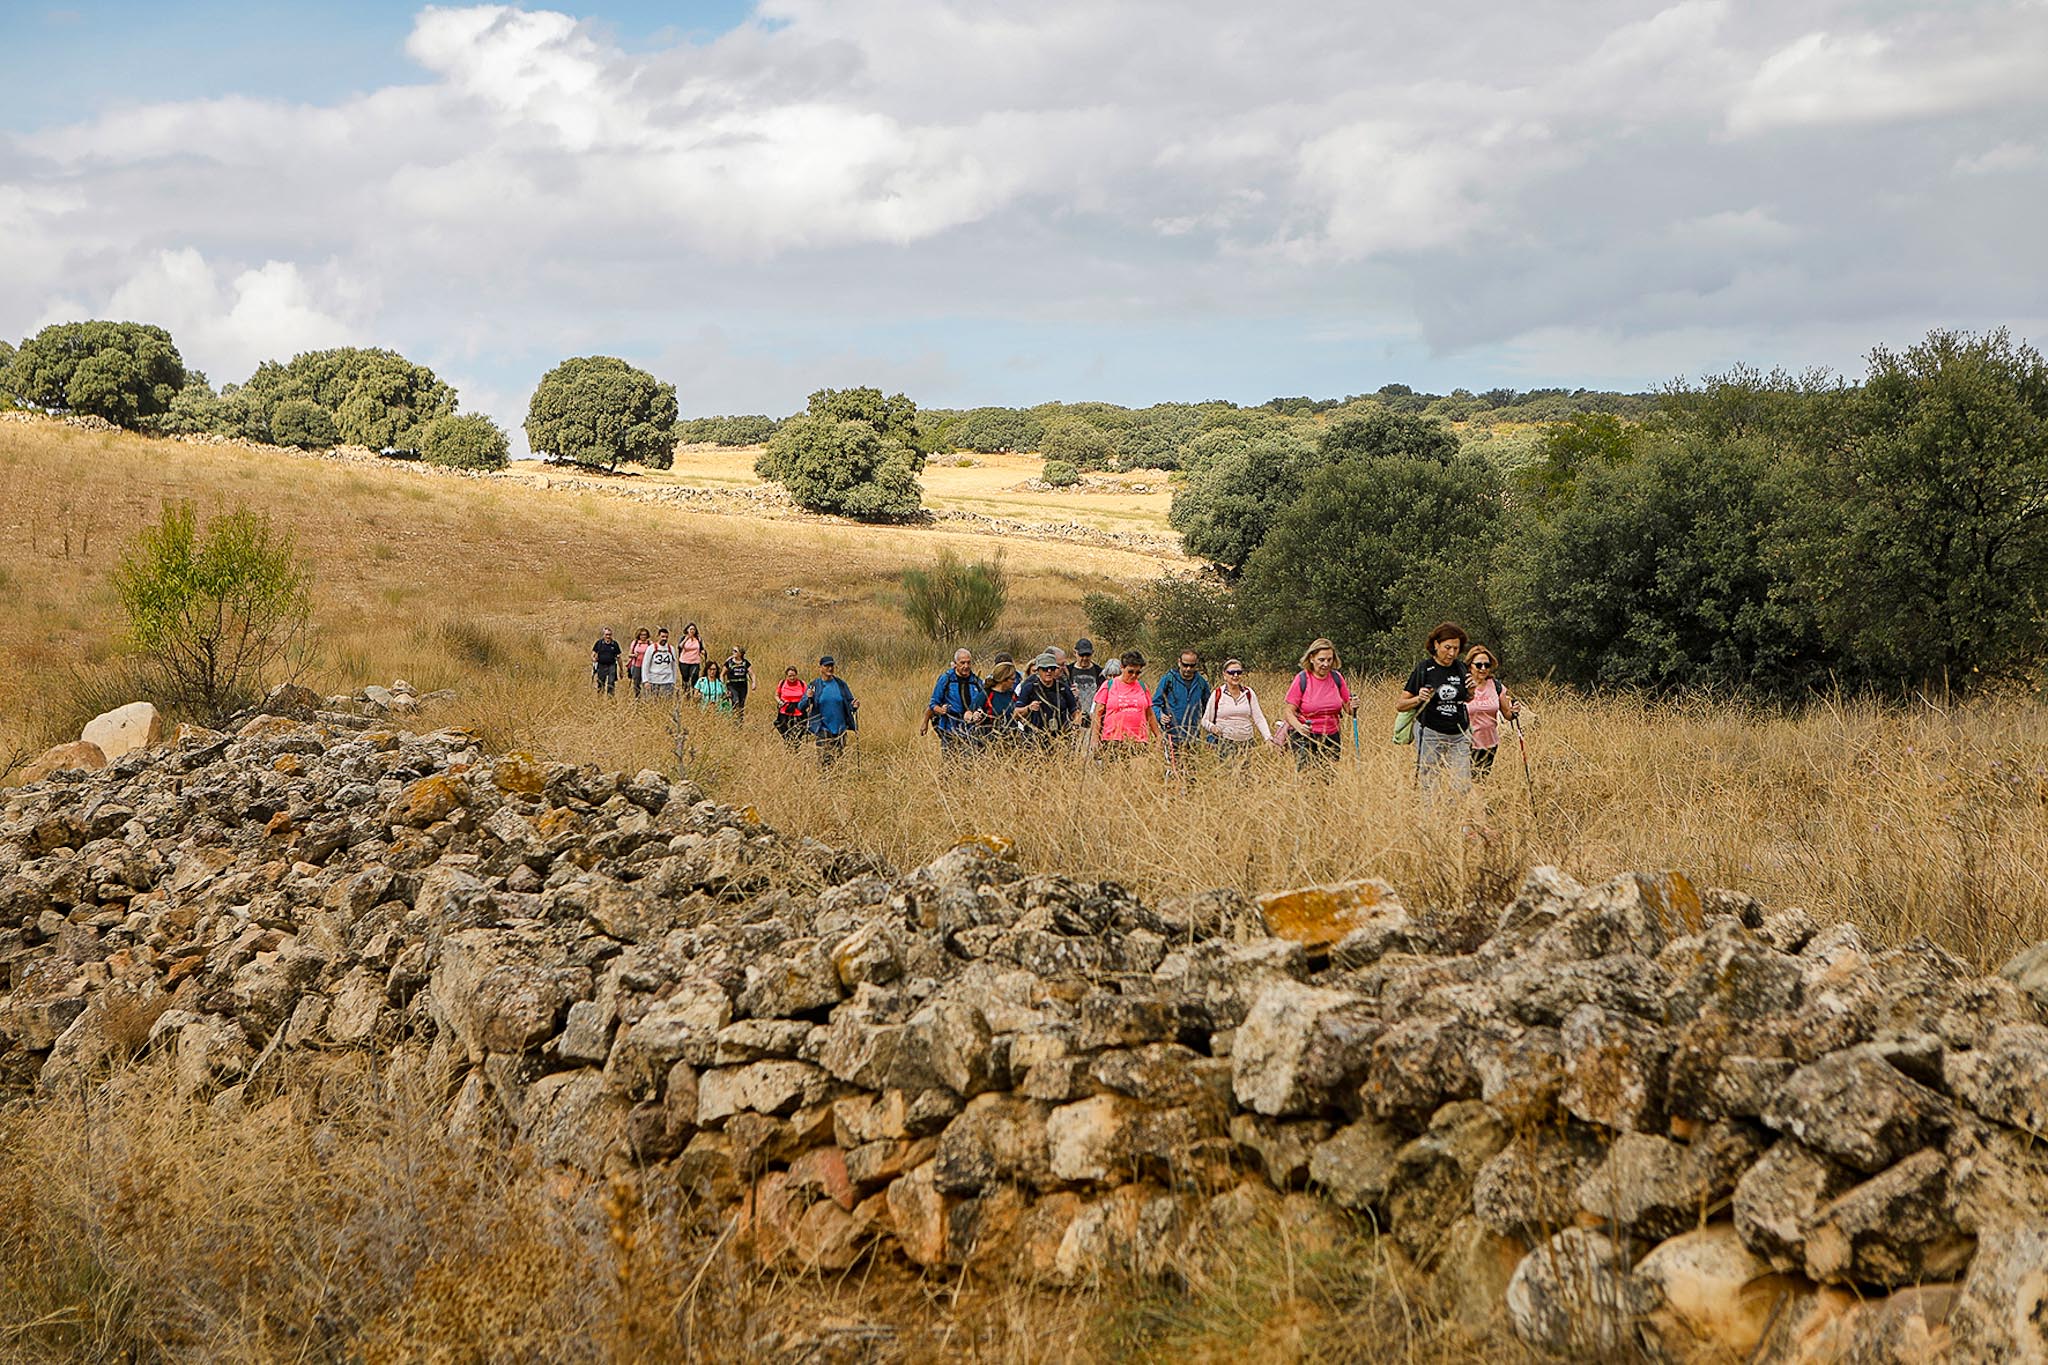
(1760, 533)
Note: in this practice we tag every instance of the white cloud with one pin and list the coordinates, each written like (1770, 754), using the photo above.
(840, 188)
(2006, 156)
(268, 312)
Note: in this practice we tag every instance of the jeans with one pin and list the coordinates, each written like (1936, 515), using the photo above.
(1442, 759)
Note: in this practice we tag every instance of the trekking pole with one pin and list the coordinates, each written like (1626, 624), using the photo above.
(1356, 747)
(1528, 782)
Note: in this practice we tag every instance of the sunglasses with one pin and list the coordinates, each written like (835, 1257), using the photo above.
(1482, 668)
(1233, 673)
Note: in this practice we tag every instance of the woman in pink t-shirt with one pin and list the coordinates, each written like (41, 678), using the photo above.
(690, 655)
(1123, 709)
(1317, 703)
(1490, 705)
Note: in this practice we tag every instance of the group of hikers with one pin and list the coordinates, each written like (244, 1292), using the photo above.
(1451, 708)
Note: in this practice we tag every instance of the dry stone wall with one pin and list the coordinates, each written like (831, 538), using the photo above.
(1633, 1114)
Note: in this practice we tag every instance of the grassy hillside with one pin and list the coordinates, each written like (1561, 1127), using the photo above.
(1906, 822)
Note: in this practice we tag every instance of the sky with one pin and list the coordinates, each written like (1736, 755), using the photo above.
(1012, 201)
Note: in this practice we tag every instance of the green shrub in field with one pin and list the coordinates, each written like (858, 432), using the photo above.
(1060, 474)
(1115, 622)
(303, 423)
(750, 430)
(954, 600)
(374, 398)
(216, 616)
(469, 441)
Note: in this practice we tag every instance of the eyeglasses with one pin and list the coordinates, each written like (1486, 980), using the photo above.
(1482, 668)
(1233, 673)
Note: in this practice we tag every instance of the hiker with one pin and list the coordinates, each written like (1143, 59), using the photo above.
(710, 688)
(1317, 703)
(1490, 705)
(1124, 716)
(604, 662)
(658, 666)
(636, 655)
(1046, 707)
(1180, 699)
(830, 712)
(690, 654)
(959, 706)
(1085, 676)
(1437, 692)
(738, 674)
(789, 706)
(1002, 702)
(1233, 716)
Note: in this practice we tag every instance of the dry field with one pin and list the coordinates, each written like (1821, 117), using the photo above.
(1922, 820)
(334, 1218)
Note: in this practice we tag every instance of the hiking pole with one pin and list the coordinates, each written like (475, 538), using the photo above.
(1356, 747)
(1528, 782)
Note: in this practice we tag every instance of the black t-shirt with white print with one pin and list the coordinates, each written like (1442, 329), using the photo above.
(1446, 688)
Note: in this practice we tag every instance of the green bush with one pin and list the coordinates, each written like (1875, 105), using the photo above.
(599, 411)
(1060, 474)
(1115, 622)
(303, 423)
(953, 600)
(217, 616)
(470, 441)
(991, 430)
(726, 431)
(373, 397)
(1223, 508)
(1081, 444)
(843, 466)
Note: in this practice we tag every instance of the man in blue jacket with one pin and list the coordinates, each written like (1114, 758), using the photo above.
(831, 712)
(959, 705)
(1179, 699)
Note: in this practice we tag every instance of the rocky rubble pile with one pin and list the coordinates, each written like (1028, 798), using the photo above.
(1629, 1113)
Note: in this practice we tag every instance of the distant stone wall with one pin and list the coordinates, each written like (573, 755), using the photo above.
(1627, 1114)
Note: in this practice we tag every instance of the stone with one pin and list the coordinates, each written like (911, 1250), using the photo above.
(1355, 1166)
(1107, 1139)
(77, 756)
(587, 1032)
(289, 700)
(1996, 1176)
(1283, 1148)
(1780, 1197)
(1654, 1187)
(124, 729)
(1320, 916)
(572, 1120)
(1530, 1187)
(1417, 1065)
(995, 1138)
(682, 1027)
(1475, 1265)
(1299, 1044)
(1616, 1065)
(918, 1216)
(1856, 1107)
(1895, 1228)
(762, 1088)
(1430, 1186)
(1573, 1296)
(2002, 1311)
(873, 952)
(2028, 970)
(1706, 1296)
(499, 992)
(2007, 1079)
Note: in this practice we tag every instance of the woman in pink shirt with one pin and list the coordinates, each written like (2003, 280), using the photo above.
(643, 641)
(1490, 705)
(1123, 709)
(1317, 704)
(690, 654)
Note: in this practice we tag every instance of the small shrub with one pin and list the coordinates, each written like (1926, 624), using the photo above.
(214, 616)
(471, 441)
(1081, 444)
(303, 423)
(1061, 474)
(843, 466)
(953, 600)
(1112, 620)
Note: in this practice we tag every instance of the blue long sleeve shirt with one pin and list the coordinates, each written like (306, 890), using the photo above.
(958, 696)
(830, 705)
(1179, 702)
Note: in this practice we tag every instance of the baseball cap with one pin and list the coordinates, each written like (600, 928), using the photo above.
(1084, 645)
(825, 662)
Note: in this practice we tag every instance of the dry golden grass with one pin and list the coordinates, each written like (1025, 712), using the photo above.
(1904, 821)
